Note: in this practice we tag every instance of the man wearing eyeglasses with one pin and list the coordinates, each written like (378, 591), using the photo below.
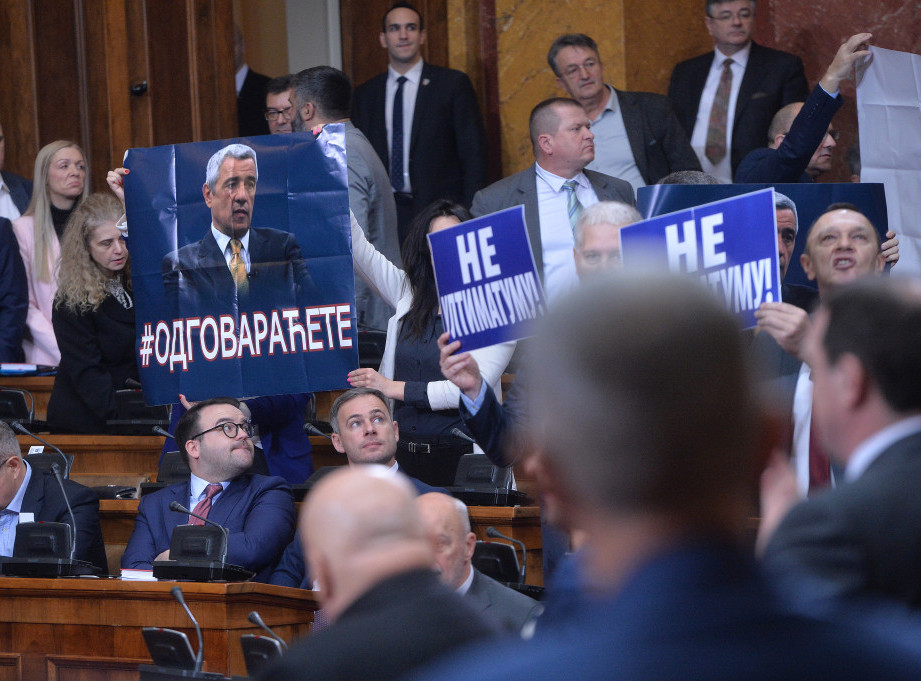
(725, 98)
(637, 137)
(801, 138)
(258, 511)
(278, 109)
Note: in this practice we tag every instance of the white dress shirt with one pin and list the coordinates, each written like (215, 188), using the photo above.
(410, 90)
(8, 209)
(723, 169)
(197, 491)
(556, 232)
(12, 515)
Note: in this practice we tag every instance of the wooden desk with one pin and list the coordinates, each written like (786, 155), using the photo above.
(122, 456)
(90, 629)
(39, 386)
(520, 522)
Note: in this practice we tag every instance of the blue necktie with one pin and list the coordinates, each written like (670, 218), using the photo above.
(396, 143)
(573, 205)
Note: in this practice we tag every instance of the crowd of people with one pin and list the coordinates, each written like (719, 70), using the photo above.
(651, 425)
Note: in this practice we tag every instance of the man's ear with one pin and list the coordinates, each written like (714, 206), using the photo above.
(853, 382)
(469, 546)
(193, 448)
(778, 138)
(422, 36)
(545, 142)
(308, 111)
(337, 442)
(383, 40)
(806, 261)
(880, 263)
(206, 192)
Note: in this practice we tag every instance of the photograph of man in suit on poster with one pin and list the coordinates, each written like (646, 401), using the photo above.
(235, 266)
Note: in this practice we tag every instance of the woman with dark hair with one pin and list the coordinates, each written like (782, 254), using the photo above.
(93, 319)
(425, 403)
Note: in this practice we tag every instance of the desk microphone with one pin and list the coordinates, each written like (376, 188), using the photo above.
(495, 534)
(179, 508)
(313, 430)
(199, 658)
(16, 425)
(257, 620)
(57, 476)
(157, 430)
(457, 432)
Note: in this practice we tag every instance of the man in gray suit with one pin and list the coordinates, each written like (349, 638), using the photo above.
(447, 525)
(323, 95)
(556, 189)
(863, 538)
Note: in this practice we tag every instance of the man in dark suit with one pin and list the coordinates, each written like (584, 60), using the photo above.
(234, 262)
(555, 189)
(637, 137)
(447, 526)
(367, 434)
(367, 551)
(662, 439)
(14, 295)
(15, 191)
(800, 137)
(842, 246)
(762, 81)
(864, 537)
(251, 92)
(257, 510)
(26, 491)
(441, 150)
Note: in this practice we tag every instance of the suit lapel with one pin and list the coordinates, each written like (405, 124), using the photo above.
(424, 93)
(754, 72)
(224, 508)
(35, 493)
(211, 264)
(635, 124)
(527, 195)
(173, 519)
(378, 136)
(697, 80)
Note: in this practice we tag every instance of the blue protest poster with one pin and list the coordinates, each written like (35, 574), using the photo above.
(244, 288)
(810, 198)
(730, 245)
(488, 286)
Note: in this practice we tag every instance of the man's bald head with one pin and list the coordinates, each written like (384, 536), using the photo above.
(780, 124)
(359, 527)
(447, 526)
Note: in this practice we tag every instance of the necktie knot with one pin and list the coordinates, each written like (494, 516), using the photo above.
(203, 507)
(728, 64)
(237, 266)
(402, 79)
(236, 246)
(573, 205)
(212, 490)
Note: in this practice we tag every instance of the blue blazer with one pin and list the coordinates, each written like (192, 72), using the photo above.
(20, 189)
(787, 163)
(256, 509)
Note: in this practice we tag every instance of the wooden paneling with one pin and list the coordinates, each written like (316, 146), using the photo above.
(69, 66)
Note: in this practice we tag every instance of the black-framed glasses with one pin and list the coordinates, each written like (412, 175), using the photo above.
(230, 429)
(273, 114)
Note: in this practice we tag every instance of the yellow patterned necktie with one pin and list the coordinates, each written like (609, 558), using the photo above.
(238, 267)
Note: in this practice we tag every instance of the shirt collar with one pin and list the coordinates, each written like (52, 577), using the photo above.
(740, 57)
(16, 504)
(465, 587)
(611, 104)
(869, 450)
(197, 486)
(414, 74)
(556, 182)
(241, 76)
(223, 240)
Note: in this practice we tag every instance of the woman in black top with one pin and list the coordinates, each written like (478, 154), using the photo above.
(93, 319)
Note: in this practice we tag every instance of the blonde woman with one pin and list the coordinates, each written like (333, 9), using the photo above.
(59, 185)
(93, 319)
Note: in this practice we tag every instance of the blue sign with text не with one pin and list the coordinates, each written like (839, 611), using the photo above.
(731, 245)
(488, 285)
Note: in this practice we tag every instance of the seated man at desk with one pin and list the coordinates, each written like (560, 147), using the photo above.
(258, 510)
(363, 430)
(28, 494)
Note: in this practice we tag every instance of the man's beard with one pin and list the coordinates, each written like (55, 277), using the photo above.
(297, 123)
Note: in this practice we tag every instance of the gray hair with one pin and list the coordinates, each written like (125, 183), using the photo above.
(614, 213)
(237, 151)
(784, 202)
(9, 445)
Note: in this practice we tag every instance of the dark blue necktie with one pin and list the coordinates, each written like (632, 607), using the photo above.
(396, 143)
